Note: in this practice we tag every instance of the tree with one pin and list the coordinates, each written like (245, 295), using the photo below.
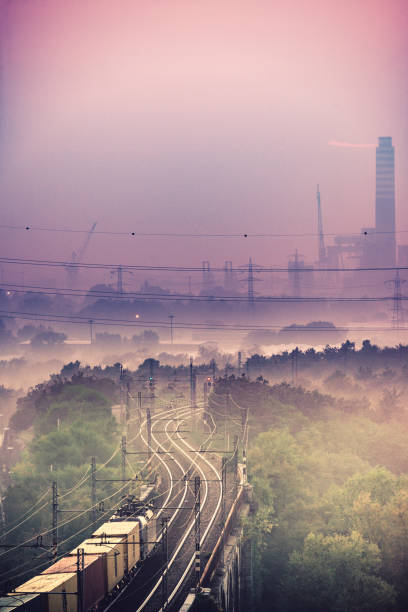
(389, 406)
(339, 573)
(6, 337)
(48, 338)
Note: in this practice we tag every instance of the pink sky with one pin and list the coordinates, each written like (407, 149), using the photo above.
(204, 117)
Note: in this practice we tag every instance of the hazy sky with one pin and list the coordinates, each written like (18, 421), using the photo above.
(212, 116)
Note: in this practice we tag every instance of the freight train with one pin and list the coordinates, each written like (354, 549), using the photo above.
(92, 574)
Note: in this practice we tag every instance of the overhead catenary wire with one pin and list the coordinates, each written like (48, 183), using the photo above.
(76, 515)
(82, 320)
(168, 268)
(76, 533)
(87, 526)
(179, 297)
(160, 571)
(70, 520)
(30, 512)
(47, 552)
(131, 233)
(119, 490)
(45, 563)
(76, 486)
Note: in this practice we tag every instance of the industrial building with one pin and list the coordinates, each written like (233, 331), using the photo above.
(385, 203)
(375, 246)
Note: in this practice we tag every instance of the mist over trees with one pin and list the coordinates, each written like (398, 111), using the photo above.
(330, 482)
(327, 459)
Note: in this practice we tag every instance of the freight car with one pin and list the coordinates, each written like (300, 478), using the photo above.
(141, 513)
(94, 584)
(57, 592)
(97, 568)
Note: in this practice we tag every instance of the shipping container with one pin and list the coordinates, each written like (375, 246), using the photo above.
(61, 589)
(124, 529)
(114, 553)
(94, 579)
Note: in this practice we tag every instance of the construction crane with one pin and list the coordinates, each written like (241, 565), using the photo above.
(321, 247)
(76, 258)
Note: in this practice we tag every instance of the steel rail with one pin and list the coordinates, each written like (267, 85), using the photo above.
(159, 417)
(189, 529)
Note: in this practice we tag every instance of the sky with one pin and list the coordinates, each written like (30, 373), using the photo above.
(198, 117)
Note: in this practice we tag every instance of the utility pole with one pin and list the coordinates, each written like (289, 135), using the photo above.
(192, 389)
(197, 530)
(149, 432)
(91, 330)
(206, 277)
(223, 488)
(93, 488)
(321, 247)
(123, 457)
(119, 286)
(228, 277)
(165, 561)
(236, 463)
(54, 519)
(205, 395)
(122, 416)
(171, 317)
(251, 302)
(127, 409)
(397, 310)
(139, 403)
(213, 366)
(294, 269)
(151, 382)
(295, 365)
(239, 363)
(223, 501)
(227, 414)
(80, 578)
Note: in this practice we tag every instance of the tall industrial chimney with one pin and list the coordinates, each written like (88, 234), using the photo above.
(385, 203)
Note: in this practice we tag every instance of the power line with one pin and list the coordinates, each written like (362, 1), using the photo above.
(143, 268)
(70, 230)
(78, 320)
(83, 293)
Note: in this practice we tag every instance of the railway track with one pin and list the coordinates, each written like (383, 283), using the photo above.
(179, 463)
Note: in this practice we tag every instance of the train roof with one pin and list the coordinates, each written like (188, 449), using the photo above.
(44, 583)
(116, 528)
(69, 564)
(95, 546)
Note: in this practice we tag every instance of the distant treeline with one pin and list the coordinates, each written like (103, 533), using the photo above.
(345, 356)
